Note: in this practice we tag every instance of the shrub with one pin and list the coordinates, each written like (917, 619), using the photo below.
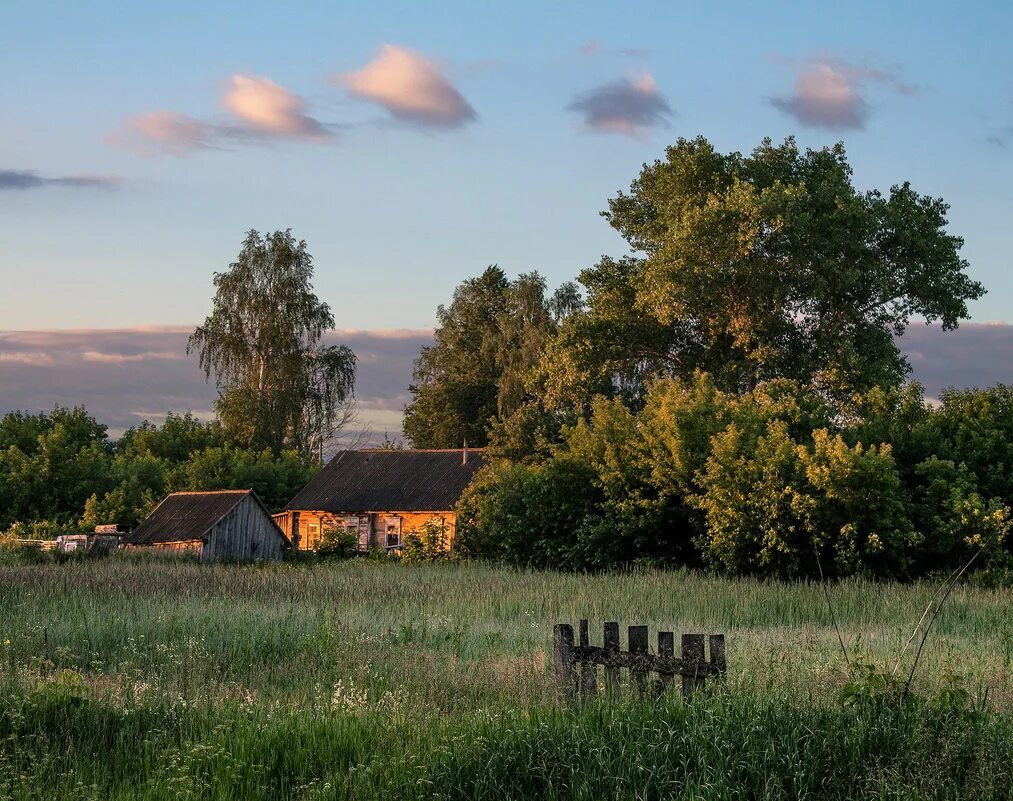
(337, 542)
(428, 543)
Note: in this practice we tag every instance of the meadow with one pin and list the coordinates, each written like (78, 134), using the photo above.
(144, 678)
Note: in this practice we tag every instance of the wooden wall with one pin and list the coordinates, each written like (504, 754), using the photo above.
(305, 527)
(246, 534)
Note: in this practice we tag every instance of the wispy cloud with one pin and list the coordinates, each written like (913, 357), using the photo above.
(12, 180)
(411, 87)
(163, 133)
(631, 107)
(830, 93)
(260, 110)
(595, 49)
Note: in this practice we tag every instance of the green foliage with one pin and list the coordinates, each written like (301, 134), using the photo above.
(337, 542)
(430, 542)
(278, 388)
(756, 267)
(60, 474)
(50, 464)
(488, 342)
(772, 482)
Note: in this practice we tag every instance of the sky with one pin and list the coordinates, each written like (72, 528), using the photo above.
(413, 144)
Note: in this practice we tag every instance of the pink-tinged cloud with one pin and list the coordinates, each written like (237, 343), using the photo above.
(411, 87)
(630, 107)
(262, 110)
(828, 93)
(270, 109)
(158, 133)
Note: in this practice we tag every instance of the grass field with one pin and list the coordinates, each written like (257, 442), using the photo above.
(142, 678)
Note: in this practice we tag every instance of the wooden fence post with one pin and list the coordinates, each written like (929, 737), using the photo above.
(611, 651)
(692, 652)
(718, 659)
(637, 639)
(563, 663)
(666, 647)
(588, 679)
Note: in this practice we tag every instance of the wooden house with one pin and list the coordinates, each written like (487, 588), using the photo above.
(381, 495)
(223, 525)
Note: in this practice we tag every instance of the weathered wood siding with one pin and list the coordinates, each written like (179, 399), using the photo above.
(246, 534)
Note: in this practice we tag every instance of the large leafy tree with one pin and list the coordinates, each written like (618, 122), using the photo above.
(757, 267)
(278, 386)
(486, 344)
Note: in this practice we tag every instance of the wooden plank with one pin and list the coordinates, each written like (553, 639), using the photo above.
(588, 680)
(666, 648)
(611, 649)
(718, 661)
(653, 662)
(693, 657)
(563, 662)
(637, 639)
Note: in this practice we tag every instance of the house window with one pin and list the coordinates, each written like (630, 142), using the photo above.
(312, 534)
(393, 529)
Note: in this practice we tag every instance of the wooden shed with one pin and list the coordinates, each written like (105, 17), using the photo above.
(380, 495)
(223, 525)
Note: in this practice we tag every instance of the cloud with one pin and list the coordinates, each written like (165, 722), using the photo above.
(630, 107)
(829, 93)
(30, 179)
(125, 375)
(411, 87)
(270, 109)
(261, 110)
(163, 133)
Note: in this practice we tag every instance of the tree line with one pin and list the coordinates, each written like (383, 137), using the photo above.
(282, 397)
(730, 393)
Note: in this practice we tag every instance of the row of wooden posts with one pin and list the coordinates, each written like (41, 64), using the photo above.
(692, 665)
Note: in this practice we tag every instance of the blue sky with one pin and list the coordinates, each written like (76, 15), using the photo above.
(537, 113)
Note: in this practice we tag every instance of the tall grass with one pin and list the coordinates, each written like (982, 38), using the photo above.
(145, 678)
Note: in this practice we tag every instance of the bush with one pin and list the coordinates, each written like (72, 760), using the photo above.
(429, 543)
(336, 542)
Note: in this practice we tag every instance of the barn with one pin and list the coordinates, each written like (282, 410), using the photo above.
(222, 525)
(381, 495)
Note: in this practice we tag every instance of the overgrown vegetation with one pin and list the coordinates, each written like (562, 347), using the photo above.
(144, 676)
(59, 472)
(731, 395)
(773, 482)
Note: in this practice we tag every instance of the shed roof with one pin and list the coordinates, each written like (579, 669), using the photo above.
(391, 481)
(187, 516)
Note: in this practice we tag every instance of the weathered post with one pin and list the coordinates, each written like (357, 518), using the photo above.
(611, 655)
(588, 680)
(563, 662)
(666, 648)
(718, 659)
(637, 638)
(692, 653)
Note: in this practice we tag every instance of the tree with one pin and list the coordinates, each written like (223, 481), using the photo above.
(486, 344)
(50, 464)
(278, 387)
(758, 267)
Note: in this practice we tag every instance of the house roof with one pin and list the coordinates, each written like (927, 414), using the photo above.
(391, 481)
(187, 516)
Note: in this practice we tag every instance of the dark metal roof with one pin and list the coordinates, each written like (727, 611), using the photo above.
(187, 516)
(390, 481)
